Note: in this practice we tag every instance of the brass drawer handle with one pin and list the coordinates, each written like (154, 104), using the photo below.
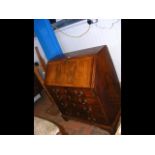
(80, 100)
(81, 93)
(75, 91)
(85, 100)
(94, 119)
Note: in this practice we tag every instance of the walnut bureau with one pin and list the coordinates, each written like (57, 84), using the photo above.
(85, 87)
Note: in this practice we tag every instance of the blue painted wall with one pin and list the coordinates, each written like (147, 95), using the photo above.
(47, 38)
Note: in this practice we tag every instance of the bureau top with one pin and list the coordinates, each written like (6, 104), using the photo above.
(79, 53)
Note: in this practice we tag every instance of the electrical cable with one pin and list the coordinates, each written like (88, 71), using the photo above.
(107, 27)
(72, 36)
(79, 36)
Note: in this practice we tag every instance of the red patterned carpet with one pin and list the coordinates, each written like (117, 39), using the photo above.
(45, 109)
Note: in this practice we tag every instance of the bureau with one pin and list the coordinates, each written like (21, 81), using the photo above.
(85, 87)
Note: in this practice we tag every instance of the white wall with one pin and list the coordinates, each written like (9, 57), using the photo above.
(95, 37)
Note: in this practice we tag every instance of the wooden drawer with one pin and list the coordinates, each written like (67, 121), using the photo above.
(81, 92)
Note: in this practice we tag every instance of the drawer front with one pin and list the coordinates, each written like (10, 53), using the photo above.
(81, 92)
(79, 103)
(73, 93)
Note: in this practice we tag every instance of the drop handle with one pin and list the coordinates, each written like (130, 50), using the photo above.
(85, 100)
(81, 92)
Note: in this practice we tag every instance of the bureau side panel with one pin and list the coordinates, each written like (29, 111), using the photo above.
(107, 85)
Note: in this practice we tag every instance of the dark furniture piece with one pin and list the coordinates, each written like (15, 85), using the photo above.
(85, 87)
(37, 86)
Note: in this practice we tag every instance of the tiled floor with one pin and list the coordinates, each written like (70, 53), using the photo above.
(44, 108)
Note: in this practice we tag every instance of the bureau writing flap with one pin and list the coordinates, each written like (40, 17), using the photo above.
(71, 72)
